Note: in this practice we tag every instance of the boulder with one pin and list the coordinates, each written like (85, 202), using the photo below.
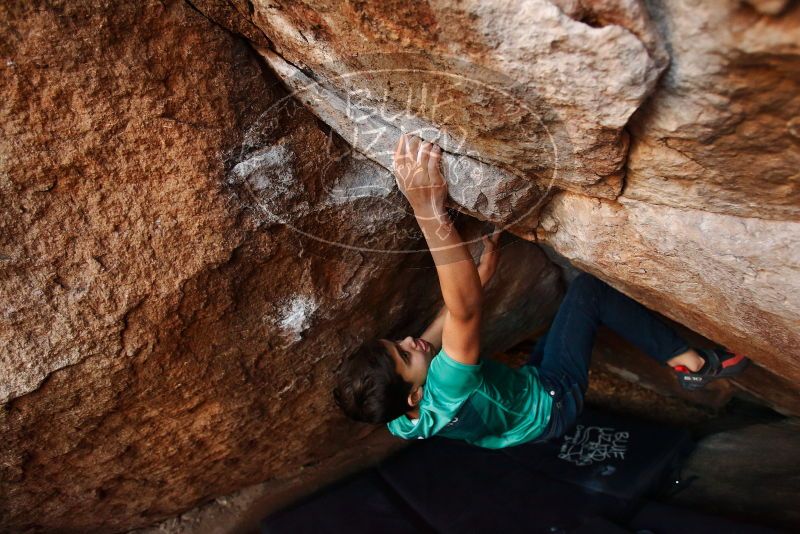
(198, 224)
(732, 279)
(513, 91)
(723, 133)
(186, 255)
(699, 223)
(747, 471)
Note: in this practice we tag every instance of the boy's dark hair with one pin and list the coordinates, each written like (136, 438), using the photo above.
(368, 388)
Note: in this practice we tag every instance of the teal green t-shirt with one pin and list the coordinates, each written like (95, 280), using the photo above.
(498, 406)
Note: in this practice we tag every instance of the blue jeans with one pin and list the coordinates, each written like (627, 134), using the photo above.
(563, 354)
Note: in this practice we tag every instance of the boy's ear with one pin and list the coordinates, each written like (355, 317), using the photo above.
(415, 396)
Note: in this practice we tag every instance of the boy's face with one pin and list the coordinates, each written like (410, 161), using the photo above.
(412, 356)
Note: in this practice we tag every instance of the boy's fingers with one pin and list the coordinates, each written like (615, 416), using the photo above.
(424, 153)
(412, 146)
(491, 240)
(400, 149)
(434, 159)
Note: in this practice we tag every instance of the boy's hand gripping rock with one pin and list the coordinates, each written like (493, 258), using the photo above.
(416, 169)
(489, 257)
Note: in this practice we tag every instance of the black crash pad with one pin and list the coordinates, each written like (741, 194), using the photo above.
(363, 503)
(459, 488)
(587, 481)
(609, 454)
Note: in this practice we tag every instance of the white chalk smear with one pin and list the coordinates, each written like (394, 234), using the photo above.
(295, 316)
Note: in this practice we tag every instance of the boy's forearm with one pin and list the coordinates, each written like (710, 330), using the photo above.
(458, 276)
(433, 332)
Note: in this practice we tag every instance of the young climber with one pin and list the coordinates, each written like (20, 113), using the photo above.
(438, 385)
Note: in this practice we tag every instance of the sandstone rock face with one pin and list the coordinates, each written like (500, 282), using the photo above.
(723, 133)
(732, 279)
(103, 135)
(705, 229)
(732, 475)
(526, 87)
(186, 256)
(187, 252)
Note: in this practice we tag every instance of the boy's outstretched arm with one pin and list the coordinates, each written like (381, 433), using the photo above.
(419, 178)
(486, 269)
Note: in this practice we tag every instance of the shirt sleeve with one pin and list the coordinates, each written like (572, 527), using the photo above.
(452, 382)
(448, 385)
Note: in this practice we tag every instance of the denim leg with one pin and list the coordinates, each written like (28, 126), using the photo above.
(638, 325)
(589, 303)
(568, 346)
(566, 350)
